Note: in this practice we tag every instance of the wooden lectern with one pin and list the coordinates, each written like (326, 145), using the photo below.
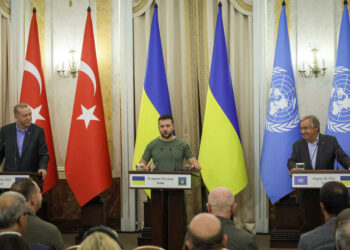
(168, 221)
(310, 181)
(8, 178)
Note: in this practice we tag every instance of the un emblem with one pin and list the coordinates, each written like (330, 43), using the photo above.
(339, 106)
(282, 112)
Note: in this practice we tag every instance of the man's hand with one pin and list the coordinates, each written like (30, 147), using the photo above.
(42, 172)
(290, 171)
(150, 167)
(196, 167)
(194, 164)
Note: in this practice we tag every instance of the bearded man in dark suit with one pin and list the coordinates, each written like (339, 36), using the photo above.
(23, 144)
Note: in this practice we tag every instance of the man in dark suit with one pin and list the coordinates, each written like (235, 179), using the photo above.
(315, 150)
(334, 198)
(23, 144)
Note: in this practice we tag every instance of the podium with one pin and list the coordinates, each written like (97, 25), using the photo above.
(292, 219)
(168, 221)
(8, 178)
(310, 182)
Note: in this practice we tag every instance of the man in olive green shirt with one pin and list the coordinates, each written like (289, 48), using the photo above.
(167, 151)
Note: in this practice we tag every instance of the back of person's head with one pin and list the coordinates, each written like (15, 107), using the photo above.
(12, 208)
(342, 235)
(24, 186)
(30, 191)
(334, 197)
(221, 202)
(205, 233)
(13, 242)
(342, 217)
(100, 237)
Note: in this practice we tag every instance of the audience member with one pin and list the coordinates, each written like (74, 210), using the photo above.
(341, 217)
(13, 217)
(221, 203)
(334, 199)
(100, 237)
(37, 230)
(205, 232)
(13, 242)
(342, 235)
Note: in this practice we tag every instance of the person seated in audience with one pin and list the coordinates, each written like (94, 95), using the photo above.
(334, 199)
(13, 218)
(342, 235)
(37, 230)
(221, 203)
(342, 230)
(205, 232)
(100, 237)
(341, 217)
(13, 242)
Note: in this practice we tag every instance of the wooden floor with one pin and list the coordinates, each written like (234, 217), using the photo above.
(129, 241)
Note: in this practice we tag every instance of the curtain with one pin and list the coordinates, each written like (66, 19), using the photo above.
(6, 88)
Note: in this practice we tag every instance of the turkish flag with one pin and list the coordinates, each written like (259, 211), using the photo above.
(88, 169)
(34, 94)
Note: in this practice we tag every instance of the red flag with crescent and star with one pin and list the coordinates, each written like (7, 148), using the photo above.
(88, 168)
(34, 94)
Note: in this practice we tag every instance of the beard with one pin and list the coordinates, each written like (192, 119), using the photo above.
(166, 136)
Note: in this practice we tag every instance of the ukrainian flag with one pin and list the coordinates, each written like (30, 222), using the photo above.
(155, 99)
(345, 180)
(221, 155)
(138, 180)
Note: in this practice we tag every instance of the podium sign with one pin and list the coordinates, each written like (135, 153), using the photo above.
(312, 179)
(6, 180)
(154, 180)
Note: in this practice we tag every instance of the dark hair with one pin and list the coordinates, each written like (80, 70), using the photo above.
(212, 243)
(103, 229)
(166, 117)
(13, 242)
(24, 186)
(334, 197)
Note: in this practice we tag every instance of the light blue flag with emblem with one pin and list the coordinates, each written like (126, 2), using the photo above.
(282, 127)
(338, 123)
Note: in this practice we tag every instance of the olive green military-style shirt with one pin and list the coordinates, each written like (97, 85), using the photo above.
(167, 155)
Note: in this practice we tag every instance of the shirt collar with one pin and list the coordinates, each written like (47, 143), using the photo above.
(316, 142)
(18, 130)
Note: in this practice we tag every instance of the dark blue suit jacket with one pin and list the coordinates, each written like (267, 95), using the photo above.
(34, 152)
(328, 151)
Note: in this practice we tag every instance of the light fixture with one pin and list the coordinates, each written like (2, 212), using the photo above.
(71, 70)
(308, 70)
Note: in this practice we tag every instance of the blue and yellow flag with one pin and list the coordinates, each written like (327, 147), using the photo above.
(155, 99)
(221, 155)
(338, 123)
(282, 127)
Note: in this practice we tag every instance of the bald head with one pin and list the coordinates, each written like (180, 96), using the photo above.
(221, 202)
(205, 232)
